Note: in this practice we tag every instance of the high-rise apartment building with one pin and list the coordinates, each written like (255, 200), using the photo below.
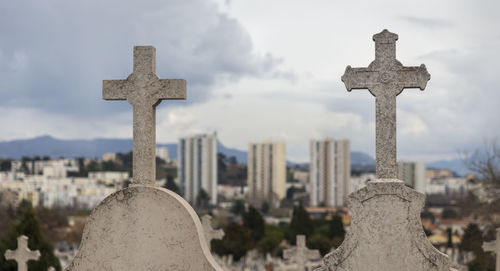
(266, 173)
(197, 168)
(413, 175)
(329, 172)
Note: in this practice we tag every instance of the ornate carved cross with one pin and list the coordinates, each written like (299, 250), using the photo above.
(300, 253)
(386, 78)
(144, 90)
(210, 233)
(22, 254)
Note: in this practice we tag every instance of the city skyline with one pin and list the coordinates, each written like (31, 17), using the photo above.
(253, 74)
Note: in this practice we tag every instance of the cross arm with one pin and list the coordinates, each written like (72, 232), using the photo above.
(114, 89)
(489, 246)
(174, 89)
(414, 77)
(359, 78)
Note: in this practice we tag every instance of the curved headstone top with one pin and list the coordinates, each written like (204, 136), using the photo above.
(386, 232)
(143, 228)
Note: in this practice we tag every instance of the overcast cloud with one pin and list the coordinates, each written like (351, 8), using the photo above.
(256, 70)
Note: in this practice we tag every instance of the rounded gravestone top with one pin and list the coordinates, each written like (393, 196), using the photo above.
(143, 228)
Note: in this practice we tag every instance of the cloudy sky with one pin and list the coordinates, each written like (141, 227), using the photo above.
(256, 70)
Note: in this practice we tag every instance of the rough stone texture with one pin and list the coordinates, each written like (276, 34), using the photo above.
(494, 246)
(144, 90)
(143, 228)
(210, 233)
(300, 253)
(385, 78)
(22, 254)
(386, 232)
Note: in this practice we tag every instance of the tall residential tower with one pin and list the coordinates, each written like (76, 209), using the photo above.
(329, 172)
(198, 166)
(266, 173)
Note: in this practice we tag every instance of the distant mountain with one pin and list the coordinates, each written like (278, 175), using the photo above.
(95, 148)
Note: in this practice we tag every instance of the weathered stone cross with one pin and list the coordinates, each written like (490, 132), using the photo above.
(22, 254)
(386, 78)
(144, 90)
(210, 233)
(300, 253)
(494, 246)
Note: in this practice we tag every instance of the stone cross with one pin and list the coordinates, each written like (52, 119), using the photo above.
(300, 253)
(210, 233)
(22, 254)
(494, 246)
(385, 78)
(144, 90)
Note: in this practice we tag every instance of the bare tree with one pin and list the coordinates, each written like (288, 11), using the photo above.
(486, 162)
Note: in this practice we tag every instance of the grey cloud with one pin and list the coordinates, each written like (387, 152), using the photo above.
(426, 22)
(55, 54)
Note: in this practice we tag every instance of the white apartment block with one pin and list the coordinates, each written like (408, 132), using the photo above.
(162, 152)
(266, 173)
(413, 175)
(329, 172)
(109, 177)
(197, 167)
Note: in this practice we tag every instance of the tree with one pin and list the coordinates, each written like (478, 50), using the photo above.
(472, 239)
(336, 227)
(428, 214)
(238, 207)
(450, 238)
(254, 221)
(236, 241)
(317, 241)
(28, 224)
(6, 165)
(486, 162)
(265, 207)
(301, 224)
(449, 213)
(172, 186)
(202, 199)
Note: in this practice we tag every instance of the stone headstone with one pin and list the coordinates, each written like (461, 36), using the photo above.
(22, 254)
(494, 246)
(210, 233)
(386, 232)
(300, 253)
(51, 269)
(143, 227)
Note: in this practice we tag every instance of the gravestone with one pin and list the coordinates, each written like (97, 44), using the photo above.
(494, 246)
(300, 253)
(386, 232)
(144, 226)
(210, 233)
(22, 254)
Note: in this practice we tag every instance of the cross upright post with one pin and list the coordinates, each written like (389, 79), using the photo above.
(144, 90)
(386, 78)
(22, 254)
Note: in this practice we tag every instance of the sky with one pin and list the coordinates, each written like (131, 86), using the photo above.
(256, 70)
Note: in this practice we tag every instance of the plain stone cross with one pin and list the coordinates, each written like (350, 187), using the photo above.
(22, 254)
(385, 78)
(144, 90)
(301, 254)
(210, 233)
(494, 246)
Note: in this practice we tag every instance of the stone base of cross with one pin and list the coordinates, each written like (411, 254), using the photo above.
(144, 227)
